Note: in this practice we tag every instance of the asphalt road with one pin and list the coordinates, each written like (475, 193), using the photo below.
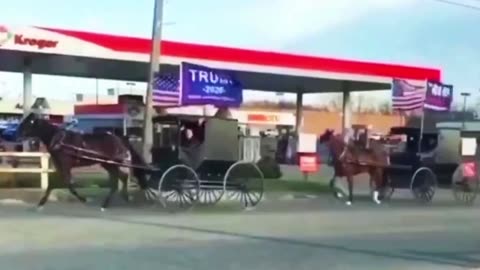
(300, 234)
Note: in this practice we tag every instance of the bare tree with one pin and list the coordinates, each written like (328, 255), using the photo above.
(360, 106)
(384, 107)
(336, 103)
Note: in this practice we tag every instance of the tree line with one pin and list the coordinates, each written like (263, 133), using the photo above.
(360, 104)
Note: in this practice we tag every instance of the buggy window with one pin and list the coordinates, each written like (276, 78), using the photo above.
(192, 131)
(165, 135)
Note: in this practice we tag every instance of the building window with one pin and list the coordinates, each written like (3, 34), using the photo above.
(79, 97)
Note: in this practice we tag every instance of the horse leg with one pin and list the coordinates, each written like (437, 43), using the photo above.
(375, 176)
(124, 178)
(350, 188)
(68, 180)
(45, 197)
(75, 193)
(113, 173)
(337, 192)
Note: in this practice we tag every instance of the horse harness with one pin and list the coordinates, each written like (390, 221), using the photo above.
(73, 144)
(353, 148)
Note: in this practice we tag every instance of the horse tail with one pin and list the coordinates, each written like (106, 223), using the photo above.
(138, 160)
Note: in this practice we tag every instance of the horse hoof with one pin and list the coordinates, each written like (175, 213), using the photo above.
(339, 195)
(102, 209)
(39, 208)
(375, 197)
(162, 203)
(348, 203)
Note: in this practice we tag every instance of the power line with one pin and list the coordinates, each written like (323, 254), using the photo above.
(472, 7)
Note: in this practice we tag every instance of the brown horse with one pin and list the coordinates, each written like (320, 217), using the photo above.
(349, 160)
(70, 150)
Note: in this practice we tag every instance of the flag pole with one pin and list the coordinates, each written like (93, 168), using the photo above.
(422, 120)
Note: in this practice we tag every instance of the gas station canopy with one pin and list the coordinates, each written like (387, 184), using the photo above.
(84, 54)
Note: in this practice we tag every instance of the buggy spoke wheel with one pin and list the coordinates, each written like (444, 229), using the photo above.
(209, 196)
(465, 189)
(423, 184)
(244, 182)
(179, 187)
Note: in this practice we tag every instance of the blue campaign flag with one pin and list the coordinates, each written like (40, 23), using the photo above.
(201, 85)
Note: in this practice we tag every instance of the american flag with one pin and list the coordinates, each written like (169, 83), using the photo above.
(407, 97)
(166, 90)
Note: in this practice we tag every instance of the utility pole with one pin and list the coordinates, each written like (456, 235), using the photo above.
(154, 68)
(96, 91)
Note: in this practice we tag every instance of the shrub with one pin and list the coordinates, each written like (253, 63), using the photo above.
(269, 168)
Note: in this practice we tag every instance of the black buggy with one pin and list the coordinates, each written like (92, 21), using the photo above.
(427, 163)
(203, 168)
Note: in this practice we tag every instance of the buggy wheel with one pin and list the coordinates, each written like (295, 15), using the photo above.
(179, 187)
(423, 184)
(244, 181)
(209, 196)
(464, 188)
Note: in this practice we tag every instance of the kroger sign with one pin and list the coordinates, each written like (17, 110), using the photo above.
(22, 40)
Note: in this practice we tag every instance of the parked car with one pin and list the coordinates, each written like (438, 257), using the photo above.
(10, 132)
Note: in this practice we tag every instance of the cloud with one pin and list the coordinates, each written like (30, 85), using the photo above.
(285, 21)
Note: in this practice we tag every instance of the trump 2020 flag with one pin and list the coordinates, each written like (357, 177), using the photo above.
(438, 97)
(202, 85)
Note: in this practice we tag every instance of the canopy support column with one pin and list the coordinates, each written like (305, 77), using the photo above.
(347, 107)
(27, 86)
(299, 113)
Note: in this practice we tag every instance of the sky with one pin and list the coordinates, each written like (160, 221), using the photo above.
(413, 32)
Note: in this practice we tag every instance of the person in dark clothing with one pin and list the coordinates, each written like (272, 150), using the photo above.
(193, 133)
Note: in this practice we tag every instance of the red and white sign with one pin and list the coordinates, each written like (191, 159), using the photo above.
(308, 163)
(263, 118)
(23, 40)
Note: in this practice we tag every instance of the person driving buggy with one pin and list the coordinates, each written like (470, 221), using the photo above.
(193, 133)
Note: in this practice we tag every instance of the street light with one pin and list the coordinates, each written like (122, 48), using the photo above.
(465, 95)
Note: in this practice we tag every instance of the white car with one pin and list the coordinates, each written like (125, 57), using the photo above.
(376, 136)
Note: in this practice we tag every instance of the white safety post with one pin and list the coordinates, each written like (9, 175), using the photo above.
(44, 164)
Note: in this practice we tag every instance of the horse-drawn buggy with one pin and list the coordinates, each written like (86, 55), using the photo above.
(409, 159)
(443, 159)
(199, 161)
(459, 155)
(412, 164)
(194, 160)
